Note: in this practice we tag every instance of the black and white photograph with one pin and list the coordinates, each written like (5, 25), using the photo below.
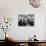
(26, 20)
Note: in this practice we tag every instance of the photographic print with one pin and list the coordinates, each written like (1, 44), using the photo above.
(26, 20)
